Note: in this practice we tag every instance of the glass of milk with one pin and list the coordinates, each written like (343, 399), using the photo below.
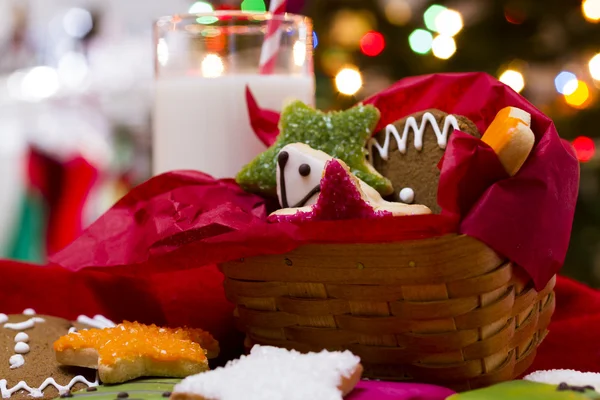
(203, 64)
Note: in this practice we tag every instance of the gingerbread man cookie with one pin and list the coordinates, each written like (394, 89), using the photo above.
(409, 150)
(28, 367)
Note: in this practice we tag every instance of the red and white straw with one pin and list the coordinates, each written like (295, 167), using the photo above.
(270, 48)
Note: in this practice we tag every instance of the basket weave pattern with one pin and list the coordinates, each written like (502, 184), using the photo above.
(446, 310)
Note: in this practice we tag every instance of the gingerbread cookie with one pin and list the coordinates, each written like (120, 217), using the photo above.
(409, 150)
(28, 367)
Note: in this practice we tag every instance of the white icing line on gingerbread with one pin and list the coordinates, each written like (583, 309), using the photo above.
(407, 195)
(38, 392)
(98, 321)
(29, 311)
(72, 329)
(419, 131)
(19, 326)
(16, 361)
(21, 337)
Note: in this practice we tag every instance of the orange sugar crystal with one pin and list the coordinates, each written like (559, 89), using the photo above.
(131, 340)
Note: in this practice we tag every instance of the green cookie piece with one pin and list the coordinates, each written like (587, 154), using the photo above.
(341, 134)
(527, 390)
(144, 389)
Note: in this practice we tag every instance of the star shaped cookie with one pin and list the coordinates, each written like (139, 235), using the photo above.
(341, 134)
(131, 350)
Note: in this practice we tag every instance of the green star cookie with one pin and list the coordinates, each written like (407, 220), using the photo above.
(341, 134)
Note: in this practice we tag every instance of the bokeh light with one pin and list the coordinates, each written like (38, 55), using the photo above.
(431, 15)
(212, 66)
(253, 6)
(315, 40)
(420, 41)
(594, 66)
(73, 70)
(348, 26)
(565, 82)
(443, 47)
(398, 12)
(40, 83)
(78, 22)
(591, 10)
(372, 43)
(200, 7)
(585, 148)
(513, 79)
(580, 97)
(448, 22)
(348, 81)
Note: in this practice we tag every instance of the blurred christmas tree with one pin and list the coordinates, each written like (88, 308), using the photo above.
(546, 50)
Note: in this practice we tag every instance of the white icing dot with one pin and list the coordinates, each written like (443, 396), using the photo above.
(16, 361)
(22, 337)
(29, 311)
(3, 318)
(21, 348)
(407, 195)
(72, 329)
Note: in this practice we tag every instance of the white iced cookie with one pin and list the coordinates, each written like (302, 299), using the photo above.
(568, 376)
(274, 373)
(299, 172)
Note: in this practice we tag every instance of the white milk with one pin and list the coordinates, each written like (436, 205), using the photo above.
(203, 124)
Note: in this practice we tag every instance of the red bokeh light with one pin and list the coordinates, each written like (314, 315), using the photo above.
(372, 43)
(585, 148)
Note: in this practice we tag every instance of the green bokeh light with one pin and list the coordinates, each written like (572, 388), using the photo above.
(254, 6)
(431, 14)
(207, 20)
(420, 41)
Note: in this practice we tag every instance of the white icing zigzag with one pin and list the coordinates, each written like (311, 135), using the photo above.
(38, 392)
(98, 321)
(411, 122)
(19, 326)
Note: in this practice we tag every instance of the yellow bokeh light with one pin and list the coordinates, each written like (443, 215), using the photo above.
(443, 47)
(348, 81)
(449, 22)
(212, 66)
(594, 66)
(398, 12)
(514, 79)
(591, 10)
(579, 98)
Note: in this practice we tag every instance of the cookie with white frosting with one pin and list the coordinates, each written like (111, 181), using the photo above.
(28, 367)
(409, 150)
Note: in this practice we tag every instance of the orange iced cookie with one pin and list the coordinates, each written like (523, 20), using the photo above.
(511, 137)
(131, 350)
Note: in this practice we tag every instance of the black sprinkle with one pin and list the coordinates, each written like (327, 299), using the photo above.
(288, 262)
(304, 169)
(166, 394)
(123, 395)
(91, 389)
(563, 386)
(66, 395)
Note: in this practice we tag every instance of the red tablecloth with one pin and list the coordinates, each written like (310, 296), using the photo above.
(196, 298)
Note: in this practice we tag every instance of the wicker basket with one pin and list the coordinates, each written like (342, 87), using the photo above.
(446, 310)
